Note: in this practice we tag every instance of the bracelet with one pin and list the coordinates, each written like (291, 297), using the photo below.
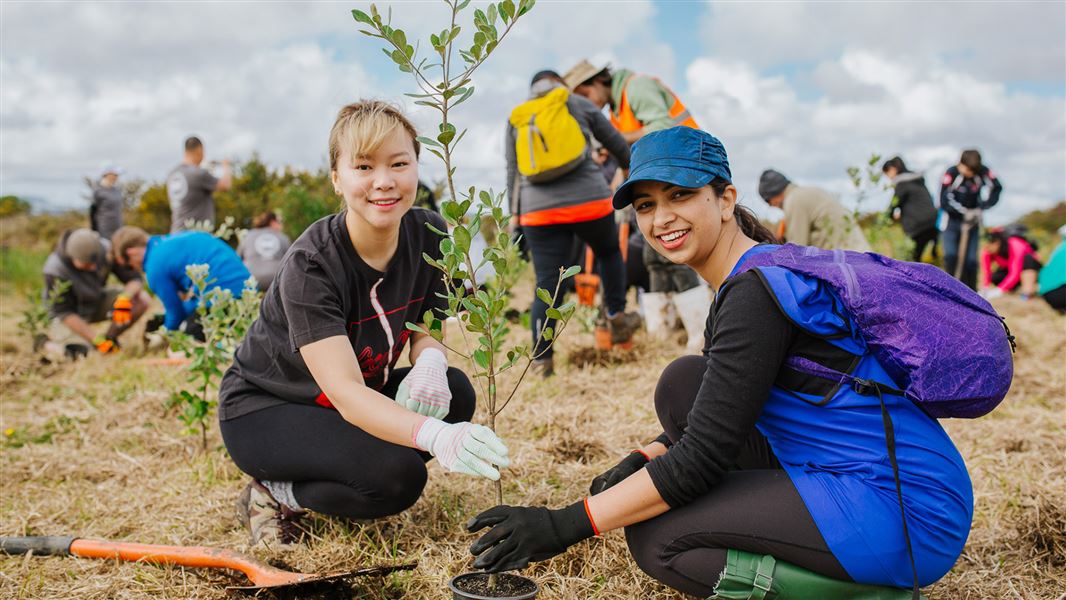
(595, 530)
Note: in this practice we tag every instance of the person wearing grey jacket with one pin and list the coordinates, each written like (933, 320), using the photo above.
(105, 212)
(578, 202)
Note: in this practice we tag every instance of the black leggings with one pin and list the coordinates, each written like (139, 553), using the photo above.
(755, 508)
(923, 239)
(337, 468)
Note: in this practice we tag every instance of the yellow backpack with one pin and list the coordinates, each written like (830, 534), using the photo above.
(549, 142)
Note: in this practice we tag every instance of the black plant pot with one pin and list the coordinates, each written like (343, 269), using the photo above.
(474, 586)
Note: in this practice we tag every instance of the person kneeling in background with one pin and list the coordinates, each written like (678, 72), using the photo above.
(82, 260)
(163, 259)
(1009, 261)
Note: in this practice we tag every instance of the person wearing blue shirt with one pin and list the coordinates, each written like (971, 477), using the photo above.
(163, 260)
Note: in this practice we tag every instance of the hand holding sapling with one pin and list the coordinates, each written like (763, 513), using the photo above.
(425, 389)
(463, 447)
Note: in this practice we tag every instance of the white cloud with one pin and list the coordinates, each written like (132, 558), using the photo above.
(83, 83)
(873, 103)
(995, 41)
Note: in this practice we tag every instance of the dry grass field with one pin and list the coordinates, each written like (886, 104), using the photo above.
(89, 449)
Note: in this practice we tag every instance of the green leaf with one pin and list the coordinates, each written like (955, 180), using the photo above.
(430, 227)
(462, 239)
(525, 6)
(399, 38)
(454, 33)
(428, 141)
(554, 314)
(507, 10)
(492, 14)
(467, 92)
(548, 334)
(362, 17)
(481, 358)
(570, 272)
(545, 296)
(446, 136)
(462, 5)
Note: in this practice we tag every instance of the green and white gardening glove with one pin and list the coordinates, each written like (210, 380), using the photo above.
(425, 389)
(463, 447)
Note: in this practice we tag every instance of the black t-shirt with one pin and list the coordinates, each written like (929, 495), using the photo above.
(324, 289)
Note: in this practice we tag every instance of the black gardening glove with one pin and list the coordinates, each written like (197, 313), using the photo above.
(524, 534)
(632, 463)
(155, 323)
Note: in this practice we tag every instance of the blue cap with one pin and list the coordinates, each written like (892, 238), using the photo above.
(683, 156)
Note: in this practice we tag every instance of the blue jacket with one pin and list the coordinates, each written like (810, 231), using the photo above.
(167, 256)
(836, 455)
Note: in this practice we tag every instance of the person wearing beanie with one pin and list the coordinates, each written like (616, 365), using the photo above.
(912, 206)
(640, 105)
(766, 482)
(77, 295)
(559, 193)
(813, 217)
(105, 212)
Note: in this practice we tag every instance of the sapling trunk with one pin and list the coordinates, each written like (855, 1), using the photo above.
(480, 313)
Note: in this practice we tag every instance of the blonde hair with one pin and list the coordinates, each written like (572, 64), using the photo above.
(125, 238)
(361, 128)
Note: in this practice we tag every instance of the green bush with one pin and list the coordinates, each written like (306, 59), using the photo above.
(13, 205)
(301, 197)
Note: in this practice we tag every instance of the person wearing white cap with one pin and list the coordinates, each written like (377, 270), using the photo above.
(105, 212)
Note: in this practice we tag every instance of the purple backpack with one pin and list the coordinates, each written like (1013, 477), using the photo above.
(942, 343)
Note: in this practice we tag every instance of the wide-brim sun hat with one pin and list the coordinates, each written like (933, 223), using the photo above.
(580, 73)
(681, 156)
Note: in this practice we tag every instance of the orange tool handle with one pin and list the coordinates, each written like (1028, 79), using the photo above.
(588, 259)
(186, 556)
(623, 240)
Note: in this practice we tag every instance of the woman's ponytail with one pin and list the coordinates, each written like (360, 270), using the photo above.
(749, 224)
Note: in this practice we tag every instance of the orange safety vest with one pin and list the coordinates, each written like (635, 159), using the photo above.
(627, 122)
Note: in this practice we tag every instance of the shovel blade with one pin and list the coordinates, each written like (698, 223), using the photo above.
(301, 579)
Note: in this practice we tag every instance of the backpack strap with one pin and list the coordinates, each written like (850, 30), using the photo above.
(869, 387)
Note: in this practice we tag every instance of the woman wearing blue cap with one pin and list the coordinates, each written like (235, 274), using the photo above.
(765, 482)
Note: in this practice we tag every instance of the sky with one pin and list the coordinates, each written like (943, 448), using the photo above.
(807, 88)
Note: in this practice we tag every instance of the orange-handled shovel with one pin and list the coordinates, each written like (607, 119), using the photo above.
(262, 575)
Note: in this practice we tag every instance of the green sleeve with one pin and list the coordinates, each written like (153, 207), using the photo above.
(650, 103)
